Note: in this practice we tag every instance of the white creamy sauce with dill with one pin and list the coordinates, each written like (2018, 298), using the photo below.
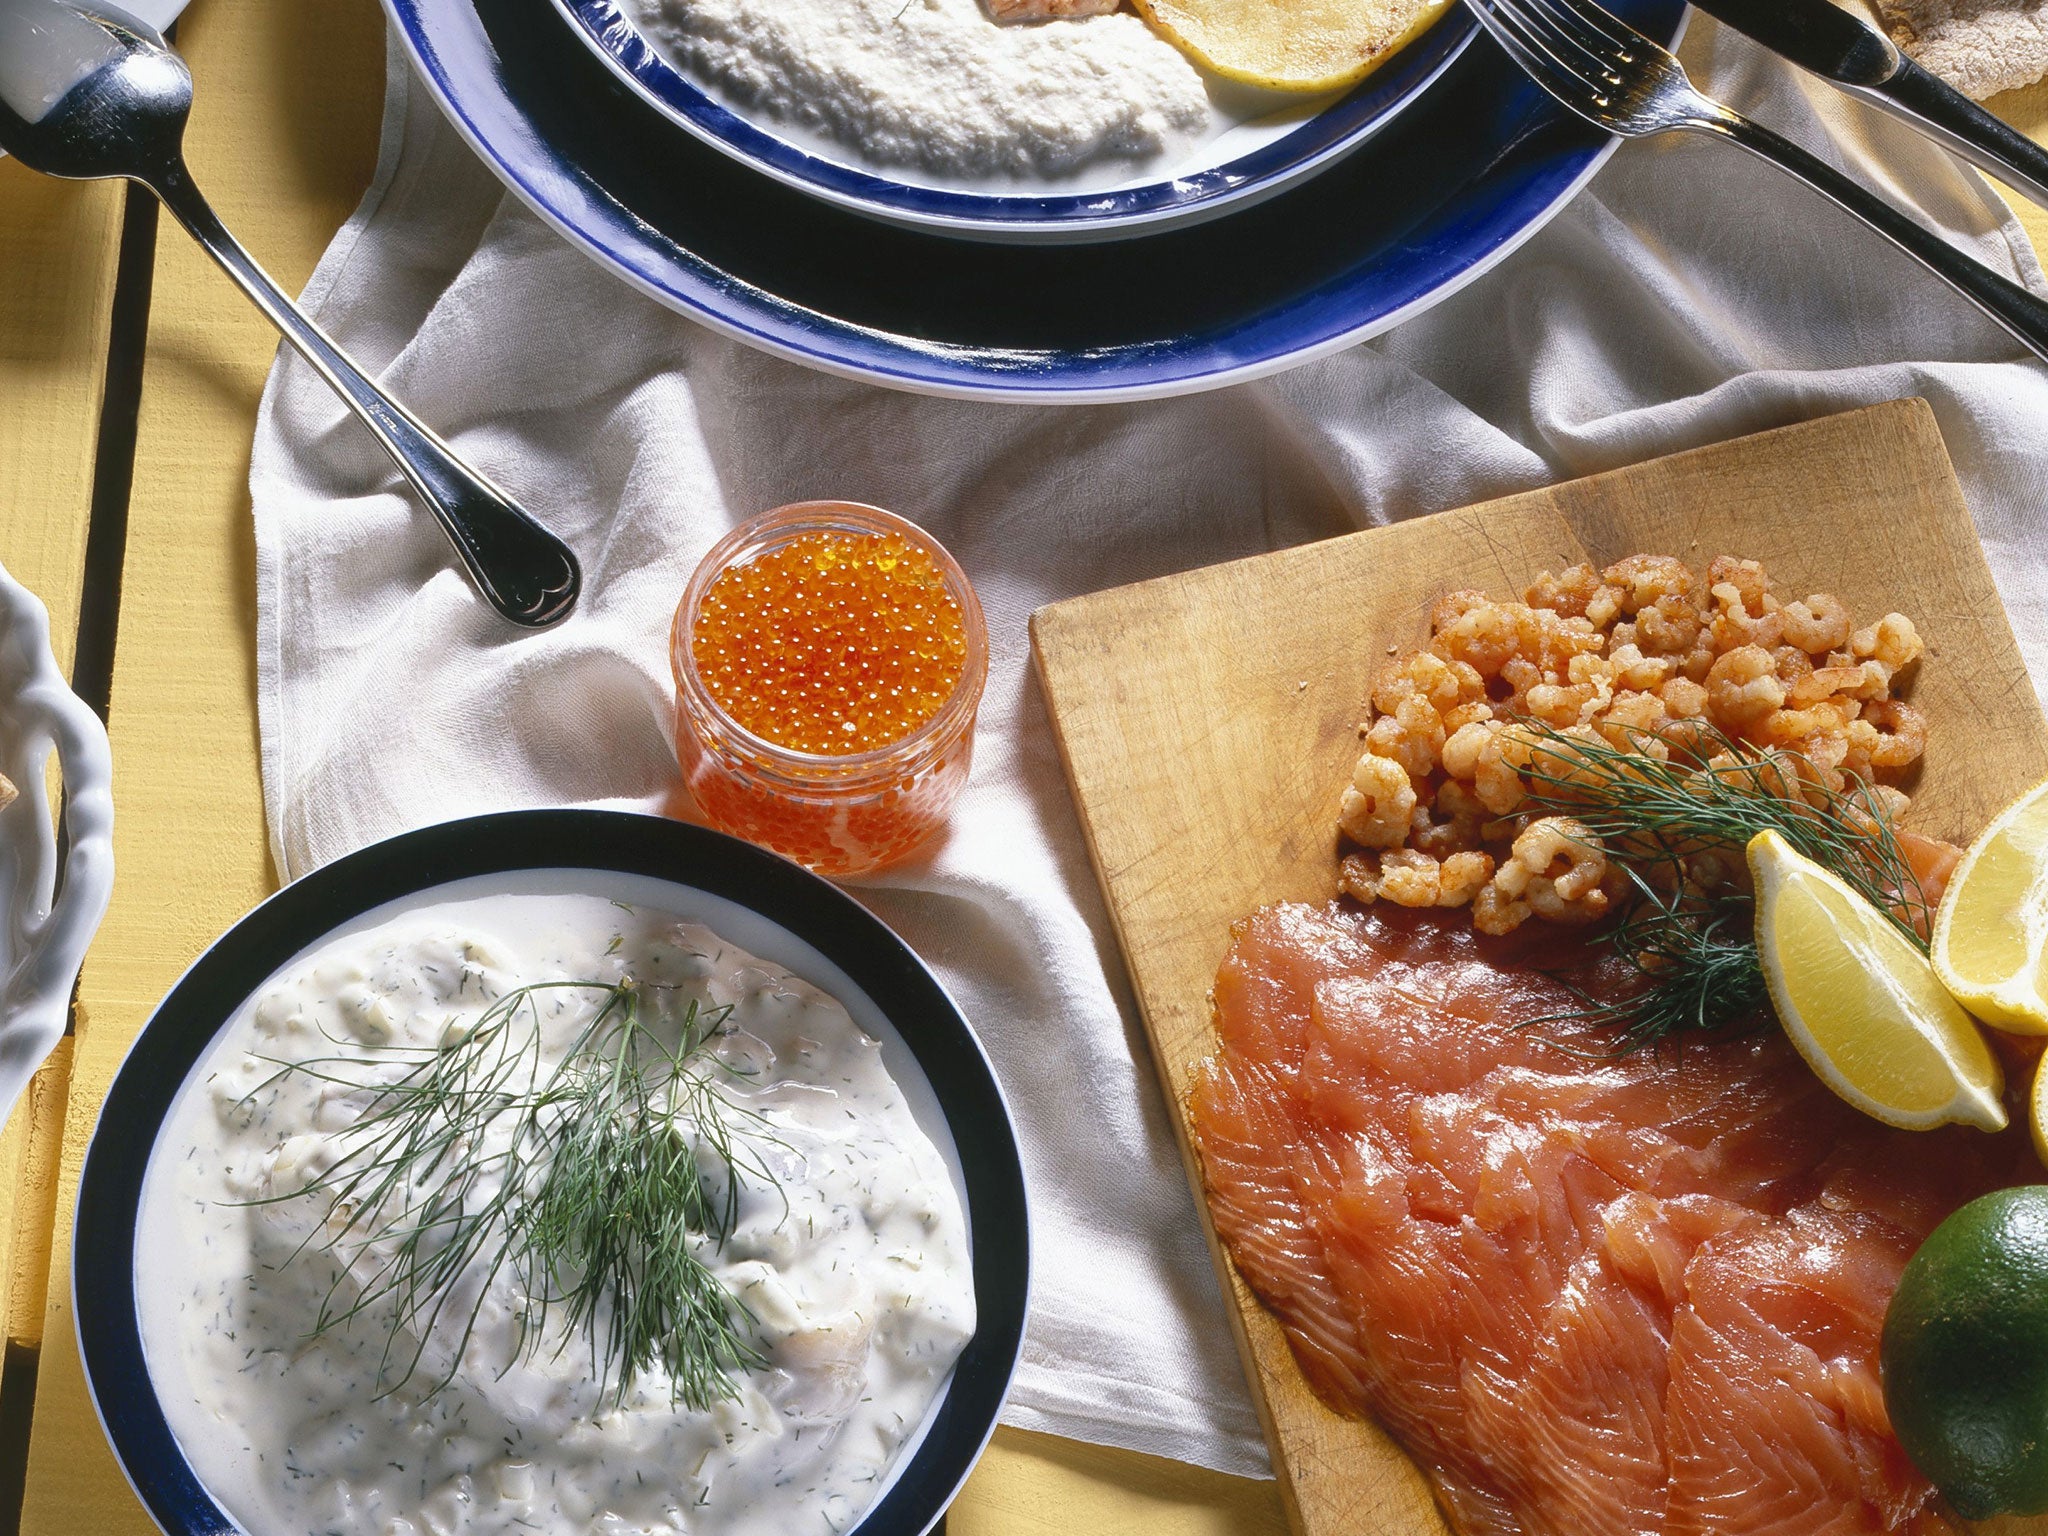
(855, 1269)
(937, 88)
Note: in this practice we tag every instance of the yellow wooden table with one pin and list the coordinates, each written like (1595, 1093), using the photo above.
(151, 592)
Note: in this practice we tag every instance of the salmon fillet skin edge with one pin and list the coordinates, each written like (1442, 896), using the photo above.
(1588, 1293)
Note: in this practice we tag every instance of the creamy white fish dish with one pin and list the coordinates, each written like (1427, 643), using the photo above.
(547, 1214)
(938, 87)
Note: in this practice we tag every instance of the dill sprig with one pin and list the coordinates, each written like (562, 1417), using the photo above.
(585, 1181)
(1719, 793)
(1695, 960)
(1691, 941)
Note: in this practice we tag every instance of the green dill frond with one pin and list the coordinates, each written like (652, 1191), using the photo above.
(1719, 794)
(1692, 965)
(1689, 943)
(592, 1183)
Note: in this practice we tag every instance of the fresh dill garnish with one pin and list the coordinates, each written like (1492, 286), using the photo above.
(1719, 793)
(585, 1182)
(1678, 827)
(1695, 957)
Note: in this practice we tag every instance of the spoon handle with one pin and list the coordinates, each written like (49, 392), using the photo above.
(523, 571)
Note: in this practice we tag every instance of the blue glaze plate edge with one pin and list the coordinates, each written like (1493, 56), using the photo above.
(1534, 161)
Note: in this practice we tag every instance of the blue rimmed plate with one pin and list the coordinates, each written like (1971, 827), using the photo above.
(1438, 196)
(766, 904)
(1275, 141)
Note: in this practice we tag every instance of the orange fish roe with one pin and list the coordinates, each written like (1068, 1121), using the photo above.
(849, 651)
(832, 643)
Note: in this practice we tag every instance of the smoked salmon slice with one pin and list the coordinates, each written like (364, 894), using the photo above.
(1589, 1293)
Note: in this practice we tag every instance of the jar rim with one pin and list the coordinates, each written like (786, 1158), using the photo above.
(766, 530)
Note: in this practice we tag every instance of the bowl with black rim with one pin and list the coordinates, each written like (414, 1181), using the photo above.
(781, 912)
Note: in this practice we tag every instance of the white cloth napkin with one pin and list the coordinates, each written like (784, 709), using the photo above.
(1690, 295)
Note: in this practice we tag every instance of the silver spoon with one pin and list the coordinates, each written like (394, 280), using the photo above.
(97, 95)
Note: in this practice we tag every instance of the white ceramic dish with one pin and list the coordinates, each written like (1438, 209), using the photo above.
(49, 907)
(1445, 192)
(1263, 142)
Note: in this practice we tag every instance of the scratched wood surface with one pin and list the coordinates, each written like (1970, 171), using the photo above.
(1208, 723)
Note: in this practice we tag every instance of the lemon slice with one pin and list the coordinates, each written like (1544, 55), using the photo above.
(1992, 928)
(1291, 45)
(1862, 1005)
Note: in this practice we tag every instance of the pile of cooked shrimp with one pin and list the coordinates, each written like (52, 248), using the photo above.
(1645, 656)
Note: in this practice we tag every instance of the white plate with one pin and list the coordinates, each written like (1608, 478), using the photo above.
(781, 911)
(44, 931)
(1266, 141)
(1443, 193)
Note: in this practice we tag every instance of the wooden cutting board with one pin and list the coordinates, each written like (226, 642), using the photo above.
(1209, 721)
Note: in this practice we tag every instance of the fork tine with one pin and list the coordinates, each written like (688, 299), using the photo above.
(1558, 28)
(1620, 98)
(1537, 47)
(1603, 22)
(1522, 44)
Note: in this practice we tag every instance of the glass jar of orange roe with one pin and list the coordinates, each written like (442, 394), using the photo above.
(829, 659)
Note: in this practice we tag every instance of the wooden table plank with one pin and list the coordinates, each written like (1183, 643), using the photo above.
(59, 249)
(59, 243)
(282, 138)
(1040, 1485)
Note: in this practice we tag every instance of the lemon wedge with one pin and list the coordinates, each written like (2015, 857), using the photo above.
(2037, 1109)
(1862, 1005)
(1991, 930)
(1291, 45)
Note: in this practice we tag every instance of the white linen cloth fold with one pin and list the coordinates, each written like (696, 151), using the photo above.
(1690, 295)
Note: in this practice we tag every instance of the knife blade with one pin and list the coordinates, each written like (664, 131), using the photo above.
(1829, 41)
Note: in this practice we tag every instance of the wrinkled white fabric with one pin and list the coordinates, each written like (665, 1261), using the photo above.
(1690, 295)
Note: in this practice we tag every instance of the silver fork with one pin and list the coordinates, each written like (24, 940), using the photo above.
(1619, 80)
